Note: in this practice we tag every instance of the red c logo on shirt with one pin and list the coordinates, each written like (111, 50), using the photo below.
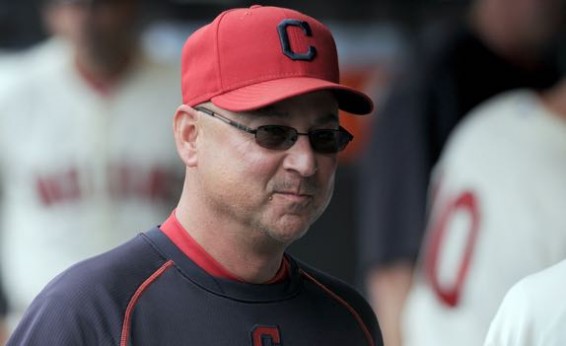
(266, 336)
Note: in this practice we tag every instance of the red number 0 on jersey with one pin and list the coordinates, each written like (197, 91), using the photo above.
(466, 202)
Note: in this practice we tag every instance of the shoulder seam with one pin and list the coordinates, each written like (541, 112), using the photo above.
(124, 338)
(340, 300)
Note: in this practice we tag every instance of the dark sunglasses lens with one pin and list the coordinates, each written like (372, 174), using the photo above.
(276, 137)
(330, 141)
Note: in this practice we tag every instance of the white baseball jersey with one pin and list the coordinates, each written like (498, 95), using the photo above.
(81, 170)
(533, 312)
(497, 214)
(8, 64)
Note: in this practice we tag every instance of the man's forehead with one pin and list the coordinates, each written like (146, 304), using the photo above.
(321, 103)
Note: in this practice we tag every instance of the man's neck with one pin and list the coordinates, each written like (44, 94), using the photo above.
(102, 76)
(253, 259)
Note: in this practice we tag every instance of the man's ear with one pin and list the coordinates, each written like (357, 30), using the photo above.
(185, 129)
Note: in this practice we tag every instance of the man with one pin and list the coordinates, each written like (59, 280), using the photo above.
(501, 45)
(78, 174)
(258, 132)
(497, 215)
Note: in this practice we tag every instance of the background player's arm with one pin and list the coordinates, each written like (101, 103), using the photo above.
(3, 332)
(388, 288)
(393, 189)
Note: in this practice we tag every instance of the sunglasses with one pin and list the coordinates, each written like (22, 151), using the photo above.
(280, 137)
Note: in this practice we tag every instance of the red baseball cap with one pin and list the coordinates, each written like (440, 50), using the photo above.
(248, 58)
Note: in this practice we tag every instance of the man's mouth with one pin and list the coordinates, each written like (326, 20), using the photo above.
(293, 196)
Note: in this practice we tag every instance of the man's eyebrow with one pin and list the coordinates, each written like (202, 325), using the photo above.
(329, 117)
(271, 111)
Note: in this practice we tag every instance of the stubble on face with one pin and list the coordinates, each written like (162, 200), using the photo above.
(292, 206)
(273, 202)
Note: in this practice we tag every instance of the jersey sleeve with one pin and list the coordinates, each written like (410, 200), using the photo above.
(349, 297)
(51, 320)
(76, 308)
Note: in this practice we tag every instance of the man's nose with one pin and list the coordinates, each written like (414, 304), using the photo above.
(301, 157)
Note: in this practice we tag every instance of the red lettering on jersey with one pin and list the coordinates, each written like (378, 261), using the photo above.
(266, 336)
(155, 183)
(44, 188)
(465, 202)
(55, 188)
(124, 182)
(163, 185)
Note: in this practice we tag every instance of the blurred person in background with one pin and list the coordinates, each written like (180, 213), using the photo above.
(497, 215)
(84, 146)
(500, 45)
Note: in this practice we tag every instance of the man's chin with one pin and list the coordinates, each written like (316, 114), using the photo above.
(288, 235)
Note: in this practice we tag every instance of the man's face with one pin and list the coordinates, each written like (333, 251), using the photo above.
(266, 192)
(106, 29)
(540, 20)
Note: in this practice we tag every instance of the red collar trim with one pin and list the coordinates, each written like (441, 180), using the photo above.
(189, 246)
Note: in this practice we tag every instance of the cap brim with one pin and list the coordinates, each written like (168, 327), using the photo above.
(266, 93)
